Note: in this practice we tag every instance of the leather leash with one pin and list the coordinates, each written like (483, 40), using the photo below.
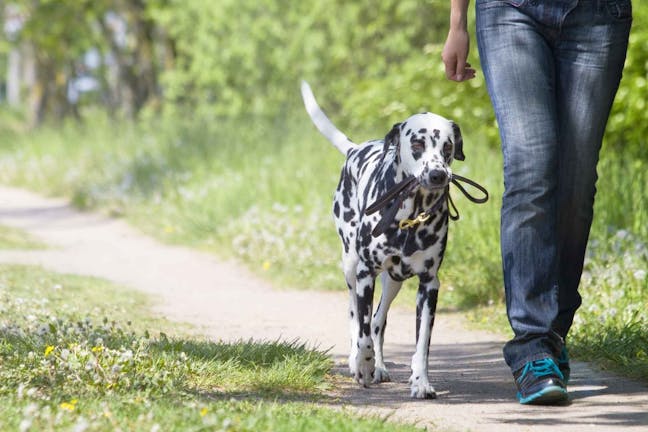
(397, 194)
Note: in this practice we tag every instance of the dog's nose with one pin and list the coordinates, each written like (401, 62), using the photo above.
(437, 177)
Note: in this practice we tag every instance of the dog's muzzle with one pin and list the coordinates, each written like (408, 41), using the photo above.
(435, 179)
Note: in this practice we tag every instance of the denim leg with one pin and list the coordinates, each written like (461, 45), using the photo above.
(519, 69)
(551, 124)
(590, 56)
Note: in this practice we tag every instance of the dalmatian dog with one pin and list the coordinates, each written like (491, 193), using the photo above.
(420, 148)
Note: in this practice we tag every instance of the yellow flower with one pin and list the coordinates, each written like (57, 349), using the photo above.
(266, 265)
(169, 229)
(204, 411)
(48, 350)
(69, 406)
(97, 349)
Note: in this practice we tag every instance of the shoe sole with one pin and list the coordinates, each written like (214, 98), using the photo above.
(551, 395)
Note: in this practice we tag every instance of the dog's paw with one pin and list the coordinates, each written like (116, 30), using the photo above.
(365, 369)
(422, 391)
(365, 375)
(420, 387)
(381, 375)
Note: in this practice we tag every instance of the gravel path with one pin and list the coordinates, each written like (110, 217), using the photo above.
(224, 301)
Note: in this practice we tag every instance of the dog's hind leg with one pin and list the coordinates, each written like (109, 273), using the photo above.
(426, 301)
(390, 289)
(354, 328)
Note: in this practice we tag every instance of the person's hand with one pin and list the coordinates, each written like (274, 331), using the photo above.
(455, 55)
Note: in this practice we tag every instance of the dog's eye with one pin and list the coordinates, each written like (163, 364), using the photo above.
(447, 149)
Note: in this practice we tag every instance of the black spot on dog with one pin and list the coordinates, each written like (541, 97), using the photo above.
(442, 221)
(422, 131)
(348, 215)
(428, 238)
(430, 200)
(396, 260)
(336, 209)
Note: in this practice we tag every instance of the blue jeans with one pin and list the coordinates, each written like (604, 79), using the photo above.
(552, 69)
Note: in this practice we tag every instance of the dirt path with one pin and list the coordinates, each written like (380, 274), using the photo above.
(226, 302)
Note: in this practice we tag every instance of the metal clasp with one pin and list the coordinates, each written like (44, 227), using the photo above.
(410, 223)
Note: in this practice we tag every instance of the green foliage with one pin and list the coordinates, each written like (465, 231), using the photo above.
(612, 324)
(241, 57)
(627, 128)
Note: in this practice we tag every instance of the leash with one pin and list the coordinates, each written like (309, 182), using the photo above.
(397, 194)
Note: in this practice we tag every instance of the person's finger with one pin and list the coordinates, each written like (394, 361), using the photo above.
(461, 69)
(450, 66)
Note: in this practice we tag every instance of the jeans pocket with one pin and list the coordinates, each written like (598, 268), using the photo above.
(487, 4)
(619, 9)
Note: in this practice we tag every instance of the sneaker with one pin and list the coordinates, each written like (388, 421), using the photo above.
(540, 382)
(563, 364)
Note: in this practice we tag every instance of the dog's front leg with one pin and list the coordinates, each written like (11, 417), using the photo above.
(390, 288)
(364, 360)
(426, 301)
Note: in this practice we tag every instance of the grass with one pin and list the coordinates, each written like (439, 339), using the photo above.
(12, 238)
(72, 359)
(261, 191)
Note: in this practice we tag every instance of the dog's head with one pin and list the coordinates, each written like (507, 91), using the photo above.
(425, 146)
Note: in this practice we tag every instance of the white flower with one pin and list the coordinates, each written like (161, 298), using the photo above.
(81, 425)
(25, 425)
(126, 356)
(640, 275)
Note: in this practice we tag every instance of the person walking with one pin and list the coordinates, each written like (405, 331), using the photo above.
(552, 69)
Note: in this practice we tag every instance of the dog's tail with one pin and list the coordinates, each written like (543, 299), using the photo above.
(323, 124)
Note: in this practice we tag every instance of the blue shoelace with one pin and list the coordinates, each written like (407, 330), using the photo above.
(540, 368)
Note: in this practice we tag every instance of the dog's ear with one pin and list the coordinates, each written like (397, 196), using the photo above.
(458, 142)
(392, 138)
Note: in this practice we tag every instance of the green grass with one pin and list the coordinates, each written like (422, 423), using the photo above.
(72, 359)
(260, 191)
(12, 238)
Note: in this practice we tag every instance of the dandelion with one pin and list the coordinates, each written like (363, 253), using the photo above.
(266, 265)
(48, 350)
(640, 275)
(69, 406)
(204, 411)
